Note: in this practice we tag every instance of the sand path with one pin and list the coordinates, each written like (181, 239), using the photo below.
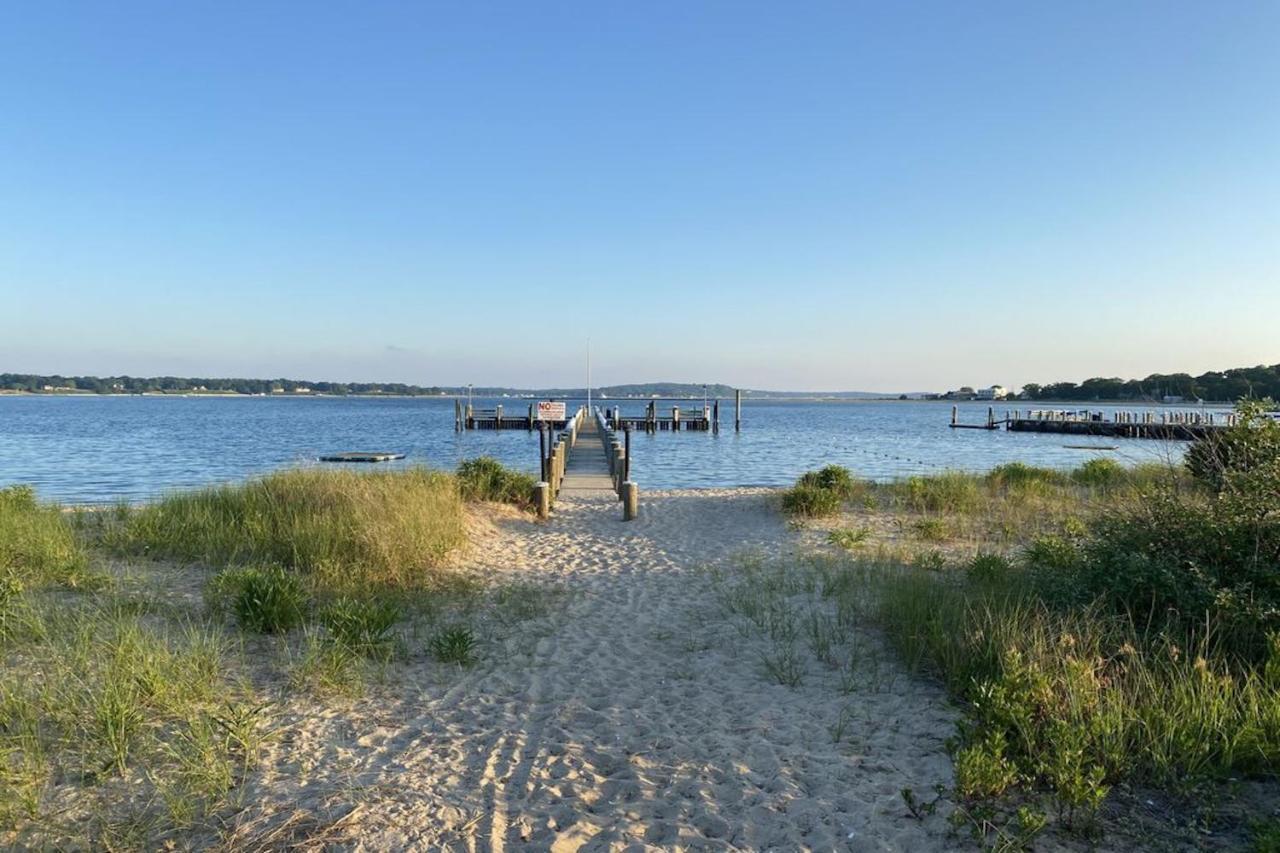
(639, 718)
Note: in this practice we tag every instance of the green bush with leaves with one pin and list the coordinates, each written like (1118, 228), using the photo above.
(1231, 457)
(834, 478)
(487, 479)
(820, 493)
(810, 502)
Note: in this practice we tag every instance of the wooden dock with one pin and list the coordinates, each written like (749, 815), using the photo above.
(587, 472)
(704, 418)
(466, 416)
(1169, 426)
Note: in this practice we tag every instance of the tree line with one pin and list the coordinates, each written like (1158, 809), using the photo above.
(180, 384)
(1238, 383)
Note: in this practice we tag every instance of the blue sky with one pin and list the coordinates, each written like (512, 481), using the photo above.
(825, 195)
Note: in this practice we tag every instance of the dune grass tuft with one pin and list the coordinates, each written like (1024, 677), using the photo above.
(486, 479)
(341, 528)
(38, 546)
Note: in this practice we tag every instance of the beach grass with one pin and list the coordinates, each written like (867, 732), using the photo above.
(341, 529)
(1120, 627)
(104, 699)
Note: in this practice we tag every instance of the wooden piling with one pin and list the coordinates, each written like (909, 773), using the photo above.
(542, 499)
(737, 410)
(630, 501)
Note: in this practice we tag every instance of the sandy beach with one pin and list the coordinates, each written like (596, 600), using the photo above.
(635, 716)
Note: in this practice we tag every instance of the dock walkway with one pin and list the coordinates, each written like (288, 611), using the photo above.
(586, 473)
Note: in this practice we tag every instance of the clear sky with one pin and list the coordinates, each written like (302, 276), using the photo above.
(882, 196)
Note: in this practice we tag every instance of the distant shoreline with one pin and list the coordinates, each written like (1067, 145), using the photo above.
(789, 398)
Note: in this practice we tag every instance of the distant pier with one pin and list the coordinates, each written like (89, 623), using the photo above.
(691, 418)
(1175, 425)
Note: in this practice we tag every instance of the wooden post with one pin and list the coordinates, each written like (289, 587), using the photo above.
(457, 415)
(542, 452)
(542, 498)
(991, 417)
(675, 418)
(630, 501)
(737, 410)
(955, 410)
(497, 416)
(626, 457)
(470, 417)
(620, 463)
(530, 417)
(716, 424)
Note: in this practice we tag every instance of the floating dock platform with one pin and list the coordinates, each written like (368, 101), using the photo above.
(361, 456)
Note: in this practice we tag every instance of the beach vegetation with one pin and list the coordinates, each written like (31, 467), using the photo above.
(1105, 627)
(38, 545)
(363, 625)
(849, 538)
(486, 479)
(456, 644)
(262, 599)
(341, 529)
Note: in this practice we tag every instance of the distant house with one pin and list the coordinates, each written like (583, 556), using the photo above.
(964, 392)
(995, 392)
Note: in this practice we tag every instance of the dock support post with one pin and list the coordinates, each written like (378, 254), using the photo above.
(497, 417)
(626, 454)
(991, 417)
(630, 501)
(542, 499)
(955, 412)
(457, 416)
(542, 452)
(530, 422)
(715, 424)
(737, 410)
(675, 418)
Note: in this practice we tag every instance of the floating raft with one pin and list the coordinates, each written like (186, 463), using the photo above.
(358, 456)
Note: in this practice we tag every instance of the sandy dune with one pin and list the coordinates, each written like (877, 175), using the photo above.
(637, 717)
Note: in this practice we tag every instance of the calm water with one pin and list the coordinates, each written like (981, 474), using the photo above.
(95, 449)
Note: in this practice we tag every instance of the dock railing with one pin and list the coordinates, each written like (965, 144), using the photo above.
(618, 454)
(553, 454)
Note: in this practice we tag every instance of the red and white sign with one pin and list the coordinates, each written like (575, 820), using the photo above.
(549, 411)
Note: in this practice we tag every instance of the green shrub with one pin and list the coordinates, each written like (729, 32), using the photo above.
(487, 479)
(1251, 445)
(1099, 474)
(835, 478)
(364, 625)
(1074, 700)
(1017, 475)
(267, 600)
(811, 501)
(454, 644)
(343, 528)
